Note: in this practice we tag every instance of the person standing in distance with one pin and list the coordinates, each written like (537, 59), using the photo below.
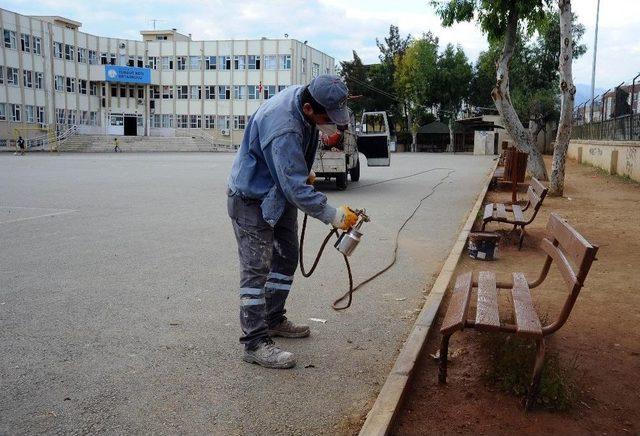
(267, 186)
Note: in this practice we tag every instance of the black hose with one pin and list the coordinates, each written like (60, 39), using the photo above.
(349, 294)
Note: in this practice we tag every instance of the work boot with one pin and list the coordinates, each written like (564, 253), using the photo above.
(287, 329)
(267, 354)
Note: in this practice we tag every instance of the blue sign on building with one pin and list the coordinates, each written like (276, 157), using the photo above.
(115, 73)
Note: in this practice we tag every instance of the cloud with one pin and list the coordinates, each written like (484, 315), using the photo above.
(339, 26)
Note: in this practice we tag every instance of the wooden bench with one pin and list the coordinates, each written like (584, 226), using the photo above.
(573, 256)
(514, 213)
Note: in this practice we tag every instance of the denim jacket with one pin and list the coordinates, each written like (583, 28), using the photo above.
(270, 164)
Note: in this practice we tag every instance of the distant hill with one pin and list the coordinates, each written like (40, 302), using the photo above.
(583, 93)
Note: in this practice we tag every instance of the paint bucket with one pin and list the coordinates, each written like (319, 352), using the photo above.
(483, 245)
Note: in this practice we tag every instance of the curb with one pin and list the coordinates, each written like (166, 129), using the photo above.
(380, 417)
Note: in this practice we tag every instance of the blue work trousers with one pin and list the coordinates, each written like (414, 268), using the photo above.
(268, 260)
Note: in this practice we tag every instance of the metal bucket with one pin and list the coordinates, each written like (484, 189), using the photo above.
(483, 245)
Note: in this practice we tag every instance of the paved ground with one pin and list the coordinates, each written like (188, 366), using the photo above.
(118, 296)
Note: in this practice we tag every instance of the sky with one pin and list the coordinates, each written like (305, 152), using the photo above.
(337, 27)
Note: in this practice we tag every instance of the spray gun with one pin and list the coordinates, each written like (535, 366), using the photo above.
(349, 239)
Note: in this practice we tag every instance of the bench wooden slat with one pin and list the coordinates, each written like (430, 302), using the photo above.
(501, 211)
(561, 262)
(534, 199)
(526, 318)
(518, 216)
(538, 187)
(487, 316)
(458, 305)
(572, 244)
(488, 212)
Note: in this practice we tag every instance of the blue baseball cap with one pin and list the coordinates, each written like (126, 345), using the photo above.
(331, 93)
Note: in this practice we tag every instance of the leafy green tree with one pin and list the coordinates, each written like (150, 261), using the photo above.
(415, 78)
(451, 85)
(500, 20)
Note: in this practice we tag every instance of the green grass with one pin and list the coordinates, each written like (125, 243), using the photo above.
(626, 178)
(512, 359)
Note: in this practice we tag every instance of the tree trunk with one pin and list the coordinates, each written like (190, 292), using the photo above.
(450, 147)
(502, 99)
(413, 130)
(568, 94)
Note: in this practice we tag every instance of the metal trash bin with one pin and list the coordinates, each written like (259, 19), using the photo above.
(483, 245)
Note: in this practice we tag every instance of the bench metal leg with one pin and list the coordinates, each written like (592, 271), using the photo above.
(444, 352)
(537, 372)
(484, 224)
(522, 233)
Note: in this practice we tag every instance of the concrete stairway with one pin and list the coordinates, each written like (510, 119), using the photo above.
(104, 144)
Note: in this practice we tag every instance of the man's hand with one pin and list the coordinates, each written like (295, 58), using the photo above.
(311, 180)
(345, 218)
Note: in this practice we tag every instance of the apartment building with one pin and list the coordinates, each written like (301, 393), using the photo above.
(54, 75)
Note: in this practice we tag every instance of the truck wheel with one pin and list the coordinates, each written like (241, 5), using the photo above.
(355, 172)
(341, 181)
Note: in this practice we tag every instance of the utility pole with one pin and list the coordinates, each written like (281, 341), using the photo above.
(595, 52)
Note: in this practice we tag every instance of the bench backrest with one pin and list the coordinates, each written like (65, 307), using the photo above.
(536, 193)
(573, 256)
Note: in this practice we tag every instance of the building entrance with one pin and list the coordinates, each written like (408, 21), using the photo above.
(130, 126)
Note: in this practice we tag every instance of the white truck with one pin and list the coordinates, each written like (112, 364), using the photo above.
(371, 138)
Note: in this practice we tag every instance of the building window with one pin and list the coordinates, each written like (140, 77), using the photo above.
(1, 74)
(269, 91)
(195, 92)
(16, 112)
(3, 112)
(238, 122)
(303, 66)
(123, 90)
(181, 63)
(195, 62)
(72, 116)
(30, 114)
(285, 62)
(37, 45)
(140, 93)
(210, 92)
(27, 78)
(40, 115)
(153, 62)
(12, 76)
(167, 120)
(167, 62)
(209, 121)
(239, 62)
(82, 55)
(39, 79)
(315, 70)
(60, 116)
(210, 62)
(224, 62)
(195, 121)
(116, 120)
(132, 91)
(182, 121)
(10, 39)
(140, 61)
(114, 90)
(112, 58)
(239, 92)
(254, 62)
(104, 58)
(270, 62)
(222, 122)
(132, 61)
(59, 83)
(156, 121)
(93, 57)
(182, 92)
(167, 91)
(71, 84)
(25, 42)
(253, 92)
(93, 88)
(83, 86)
(224, 92)
(68, 52)
(154, 92)
(93, 117)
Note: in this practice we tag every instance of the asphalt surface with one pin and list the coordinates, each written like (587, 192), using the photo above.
(119, 295)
